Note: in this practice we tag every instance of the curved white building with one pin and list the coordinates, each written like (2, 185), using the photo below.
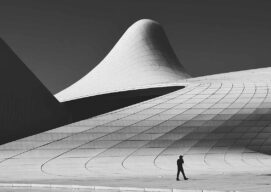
(141, 58)
(221, 124)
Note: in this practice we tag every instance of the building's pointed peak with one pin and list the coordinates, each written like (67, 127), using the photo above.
(142, 57)
(146, 37)
(144, 23)
(144, 28)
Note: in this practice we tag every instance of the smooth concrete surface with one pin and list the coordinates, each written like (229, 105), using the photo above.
(142, 57)
(221, 124)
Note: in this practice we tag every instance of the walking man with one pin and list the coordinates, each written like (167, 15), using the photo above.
(180, 168)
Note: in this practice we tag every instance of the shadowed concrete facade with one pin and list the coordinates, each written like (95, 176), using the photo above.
(96, 105)
(26, 106)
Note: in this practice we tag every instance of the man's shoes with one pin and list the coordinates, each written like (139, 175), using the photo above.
(177, 179)
(186, 178)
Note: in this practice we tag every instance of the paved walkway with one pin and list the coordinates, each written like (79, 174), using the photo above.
(214, 183)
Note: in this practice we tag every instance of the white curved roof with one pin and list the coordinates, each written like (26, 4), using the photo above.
(221, 124)
(142, 57)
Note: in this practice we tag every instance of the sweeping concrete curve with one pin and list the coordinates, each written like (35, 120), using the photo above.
(142, 57)
(221, 124)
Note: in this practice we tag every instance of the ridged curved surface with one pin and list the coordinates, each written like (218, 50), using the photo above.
(142, 57)
(221, 124)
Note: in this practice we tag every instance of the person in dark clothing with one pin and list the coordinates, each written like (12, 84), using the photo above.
(180, 168)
